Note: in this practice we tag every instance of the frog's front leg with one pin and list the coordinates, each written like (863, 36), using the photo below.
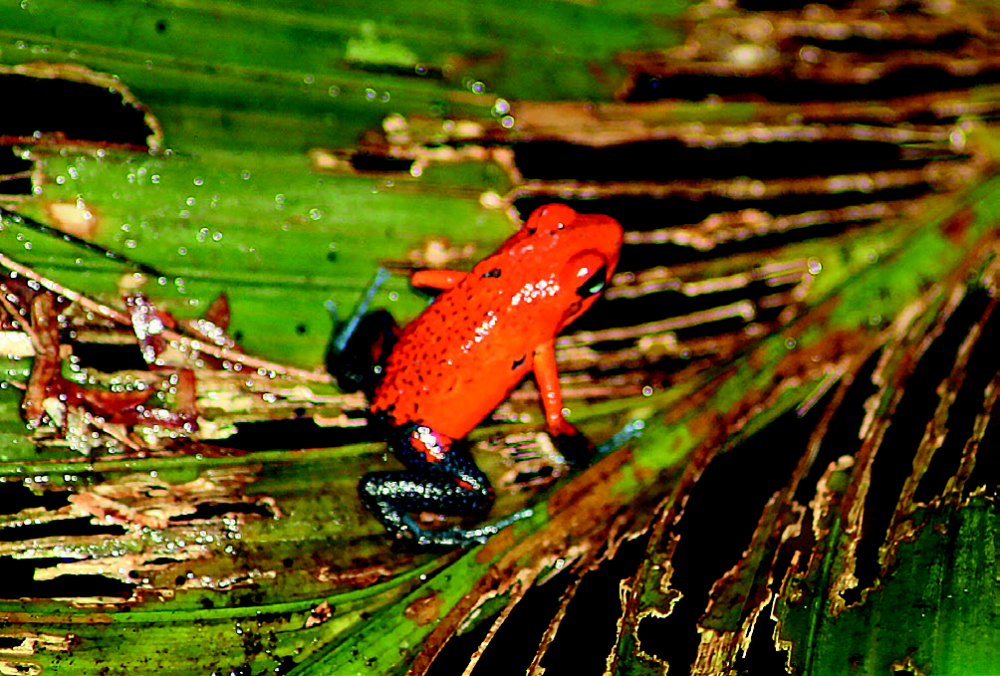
(574, 446)
(437, 279)
(438, 478)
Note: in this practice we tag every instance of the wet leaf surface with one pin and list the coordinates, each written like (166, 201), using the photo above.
(802, 326)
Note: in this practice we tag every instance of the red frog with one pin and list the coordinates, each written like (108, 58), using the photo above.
(439, 377)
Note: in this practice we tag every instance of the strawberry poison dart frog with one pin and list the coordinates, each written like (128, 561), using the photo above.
(436, 379)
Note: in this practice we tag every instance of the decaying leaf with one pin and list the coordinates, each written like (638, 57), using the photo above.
(801, 328)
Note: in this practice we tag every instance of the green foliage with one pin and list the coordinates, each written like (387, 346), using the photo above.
(183, 559)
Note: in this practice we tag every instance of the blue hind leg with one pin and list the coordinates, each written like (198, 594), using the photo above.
(444, 481)
(359, 345)
(344, 330)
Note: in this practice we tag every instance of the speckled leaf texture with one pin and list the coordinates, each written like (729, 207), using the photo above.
(793, 372)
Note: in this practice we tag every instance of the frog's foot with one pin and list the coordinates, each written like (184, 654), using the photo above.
(577, 450)
(344, 330)
(361, 362)
(451, 538)
(574, 447)
(629, 431)
(393, 496)
(360, 345)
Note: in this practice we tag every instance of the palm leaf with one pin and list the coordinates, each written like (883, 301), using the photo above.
(802, 328)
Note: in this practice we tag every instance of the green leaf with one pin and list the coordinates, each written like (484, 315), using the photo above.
(801, 326)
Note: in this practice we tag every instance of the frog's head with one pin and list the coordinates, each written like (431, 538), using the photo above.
(580, 250)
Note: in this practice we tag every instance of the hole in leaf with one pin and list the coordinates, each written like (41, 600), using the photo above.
(19, 581)
(587, 632)
(110, 357)
(893, 462)
(514, 646)
(526, 478)
(841, 436)
(163, 561)
(651, 307)
(211, 510)
(15, 173)
(987, 467)
(675, 161)
(643, 214)
(16, 497)
(982, 367)
(51, 106)
(380, 164)
(718, 523)
(57, 528)
(907, 81)
(454, 658)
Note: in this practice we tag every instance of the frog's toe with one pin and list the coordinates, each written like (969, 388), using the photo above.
(576, 449)
(358, 362)
(393, 496)
(425, 538)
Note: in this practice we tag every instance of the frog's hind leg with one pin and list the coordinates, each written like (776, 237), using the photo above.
(438, 479)
(360, 345)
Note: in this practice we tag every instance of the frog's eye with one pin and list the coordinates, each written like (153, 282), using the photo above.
(594, 284)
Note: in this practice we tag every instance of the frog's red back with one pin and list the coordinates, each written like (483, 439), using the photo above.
(464, 354)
